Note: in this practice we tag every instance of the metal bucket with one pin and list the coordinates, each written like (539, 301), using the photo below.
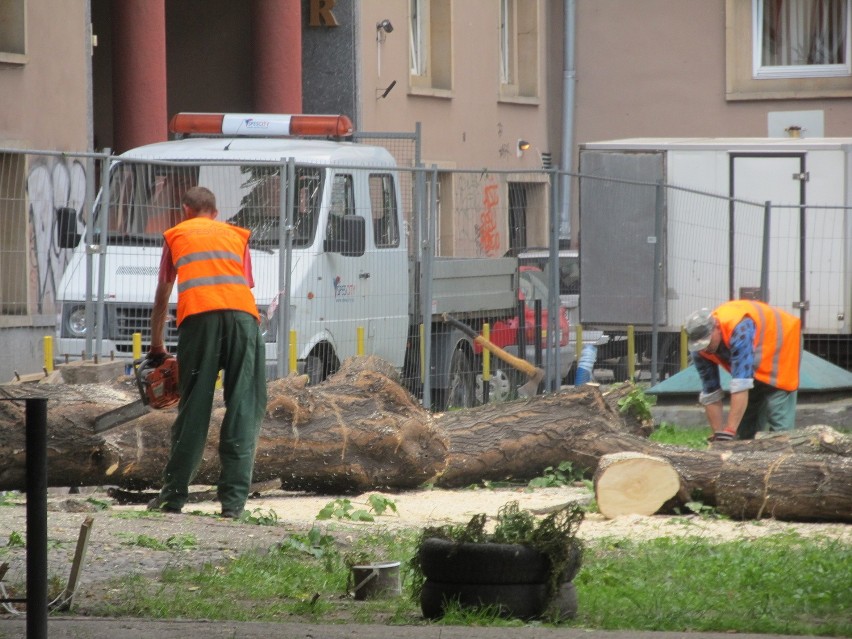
(375, 581)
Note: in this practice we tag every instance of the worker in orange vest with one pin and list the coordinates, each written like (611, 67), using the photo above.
(218, 329)
(761, 347)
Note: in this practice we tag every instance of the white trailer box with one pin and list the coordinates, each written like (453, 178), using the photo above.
(712, 217)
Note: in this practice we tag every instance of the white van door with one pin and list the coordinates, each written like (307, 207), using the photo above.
(385, 272)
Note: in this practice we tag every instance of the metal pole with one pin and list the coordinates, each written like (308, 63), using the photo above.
(36, 456)
(553, 300)
(764, 256)
(655, 293)
(426, 283)
(102, 251)
(286, 205)
(89, 241)
(568, 82)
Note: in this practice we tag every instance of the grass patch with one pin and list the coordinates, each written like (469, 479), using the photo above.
(785, 584)
(678, 436)
(780, 584)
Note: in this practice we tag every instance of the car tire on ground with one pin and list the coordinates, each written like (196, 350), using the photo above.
(525, 601)
(446, 561)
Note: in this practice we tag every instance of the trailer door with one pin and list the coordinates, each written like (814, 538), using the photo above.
(778, 179)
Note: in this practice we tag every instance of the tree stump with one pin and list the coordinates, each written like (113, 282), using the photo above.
(634, 484)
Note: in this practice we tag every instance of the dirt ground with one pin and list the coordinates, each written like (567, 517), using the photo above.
(116, 545)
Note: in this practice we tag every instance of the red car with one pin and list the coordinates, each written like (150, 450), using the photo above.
(504, 333)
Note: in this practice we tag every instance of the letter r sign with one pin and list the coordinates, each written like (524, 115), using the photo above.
(321, 15)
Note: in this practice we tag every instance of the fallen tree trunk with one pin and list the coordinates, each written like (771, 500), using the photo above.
(361, 431)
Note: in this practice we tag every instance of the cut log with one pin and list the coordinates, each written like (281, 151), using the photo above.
(361, 431)
(634, 484)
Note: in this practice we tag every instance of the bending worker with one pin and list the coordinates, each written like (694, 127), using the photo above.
(761, 347)
(217, 321)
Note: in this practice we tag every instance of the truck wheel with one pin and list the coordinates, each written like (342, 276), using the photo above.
(460, 393)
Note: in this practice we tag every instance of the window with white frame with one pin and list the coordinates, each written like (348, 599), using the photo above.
(801, 38)
(430, 44)
(519, 44)
(788, 49)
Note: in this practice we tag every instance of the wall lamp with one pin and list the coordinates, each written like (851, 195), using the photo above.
(523, 145)
(385, 25)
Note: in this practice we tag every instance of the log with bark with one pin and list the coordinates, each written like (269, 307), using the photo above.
(360, 431)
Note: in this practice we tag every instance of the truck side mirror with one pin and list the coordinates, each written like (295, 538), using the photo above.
(352, 238)
(66, 228)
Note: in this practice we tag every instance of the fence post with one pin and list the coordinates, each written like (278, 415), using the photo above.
(101, 250)
(631, 353)
(655, 293)
(764, 256)
(286, 204)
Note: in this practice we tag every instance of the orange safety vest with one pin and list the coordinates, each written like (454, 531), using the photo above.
(208, 256)
(777, 341)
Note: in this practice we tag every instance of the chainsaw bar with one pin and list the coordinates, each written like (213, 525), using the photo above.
(120, 415)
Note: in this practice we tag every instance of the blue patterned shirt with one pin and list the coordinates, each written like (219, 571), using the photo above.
(739, 354)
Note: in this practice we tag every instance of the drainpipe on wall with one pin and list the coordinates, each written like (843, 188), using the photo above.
(569, 79)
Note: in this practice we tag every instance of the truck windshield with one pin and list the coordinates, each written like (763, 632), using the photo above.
(145, 200)
(260, 205)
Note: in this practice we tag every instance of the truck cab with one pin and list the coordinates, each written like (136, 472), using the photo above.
(345, 229)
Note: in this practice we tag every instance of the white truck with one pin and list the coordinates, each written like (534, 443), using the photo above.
(343, 253)
(765, 218)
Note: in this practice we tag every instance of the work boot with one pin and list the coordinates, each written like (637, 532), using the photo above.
(158, 504)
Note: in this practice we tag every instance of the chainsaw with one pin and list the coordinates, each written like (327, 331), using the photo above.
(157, 382)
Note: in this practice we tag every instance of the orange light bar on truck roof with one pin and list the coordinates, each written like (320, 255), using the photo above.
(261, 124)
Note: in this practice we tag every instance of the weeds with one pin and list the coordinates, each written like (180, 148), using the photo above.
(563, 475)
(638, 404)
(174, 542)
(260, 518)
(345, 509)
(16, 540)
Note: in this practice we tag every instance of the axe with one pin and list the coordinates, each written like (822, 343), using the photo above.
(535, 374)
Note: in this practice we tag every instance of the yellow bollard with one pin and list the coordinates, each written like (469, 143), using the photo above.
(631, 353)
(684, 352)
(294, 367)
(486, 354)
(137, 345)
(579, 345)
(359, 348)
(48, 354)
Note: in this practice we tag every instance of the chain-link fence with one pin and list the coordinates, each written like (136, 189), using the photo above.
(359, 251)
(653, 253)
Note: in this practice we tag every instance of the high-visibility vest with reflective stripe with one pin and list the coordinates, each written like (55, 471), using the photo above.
(777, 341)
(208, 256)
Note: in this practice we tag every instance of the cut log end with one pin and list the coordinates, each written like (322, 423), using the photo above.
(634, 484)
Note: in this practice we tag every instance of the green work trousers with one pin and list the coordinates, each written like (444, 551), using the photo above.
(207, 343)
(768, 409)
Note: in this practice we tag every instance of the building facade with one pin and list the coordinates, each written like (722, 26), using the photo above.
(485, 79)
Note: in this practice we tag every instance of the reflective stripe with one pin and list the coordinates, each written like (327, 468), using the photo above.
(208, 255)
(211, 281)
(776, 355)
(759, 336)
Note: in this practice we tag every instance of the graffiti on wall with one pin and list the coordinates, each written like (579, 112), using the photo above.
(488, 237)
(51, 183)
(477, 216)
